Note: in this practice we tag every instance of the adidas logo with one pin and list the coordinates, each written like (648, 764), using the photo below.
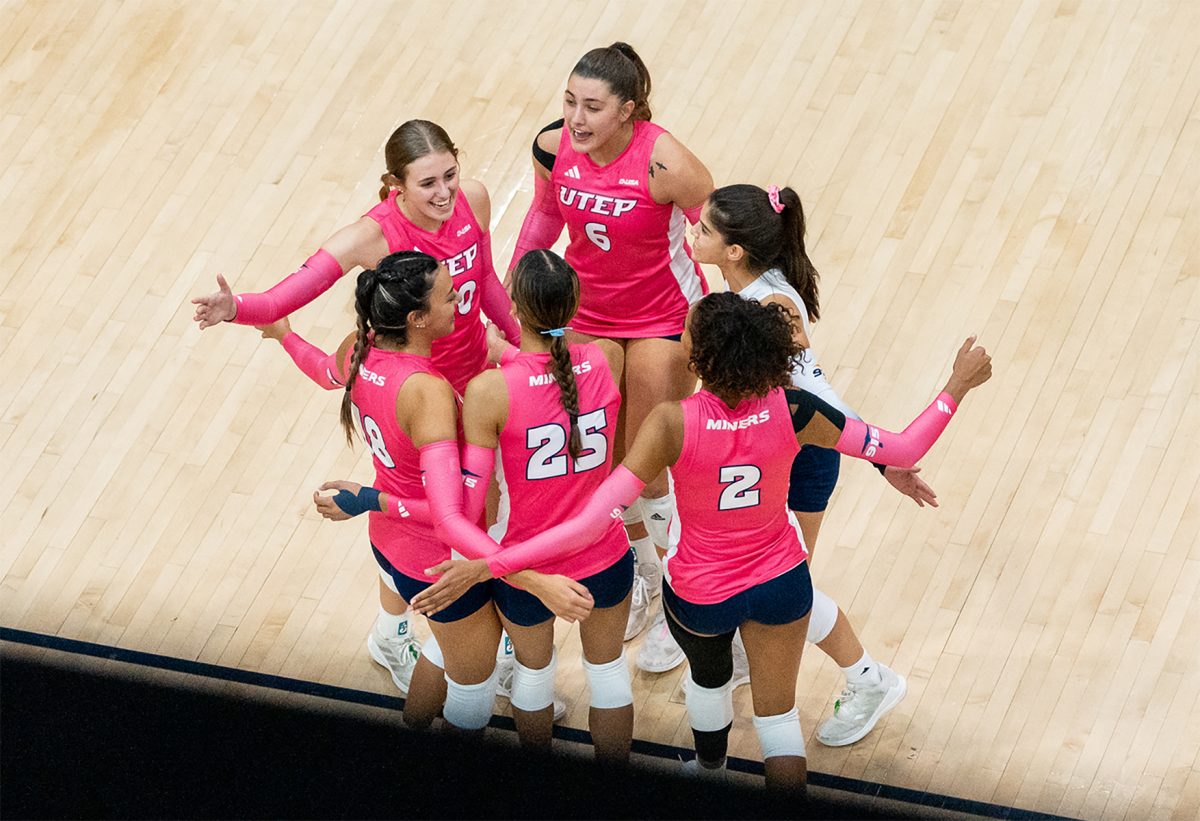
(944, 408)
(573, 172)
(657, 517)
(624, 181)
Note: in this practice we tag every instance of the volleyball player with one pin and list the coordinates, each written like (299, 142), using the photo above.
(740, 560)
(622, 185)
(756, 238)
(425, 206)
(551, 412)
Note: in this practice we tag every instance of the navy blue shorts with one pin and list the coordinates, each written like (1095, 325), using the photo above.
(609, 588)
(465, 605)
(814, 475)
(782, 600)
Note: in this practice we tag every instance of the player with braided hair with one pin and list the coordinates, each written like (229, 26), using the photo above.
(740, 560)
(551, 411)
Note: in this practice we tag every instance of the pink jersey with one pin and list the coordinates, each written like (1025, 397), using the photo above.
(636, 276)
(540, 484)
(731, 484)
(409, 545)
(464, 248)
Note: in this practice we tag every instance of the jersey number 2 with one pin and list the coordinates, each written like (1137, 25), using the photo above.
(740, 490)
(549, 444)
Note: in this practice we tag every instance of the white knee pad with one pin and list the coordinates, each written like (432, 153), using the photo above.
(708, 709)
(633, 514)
(821, 618)
(780, 735)
(661, 520)
(432, 651)
(609, 683)
(388, 581)
(469, 706)
(533, 690)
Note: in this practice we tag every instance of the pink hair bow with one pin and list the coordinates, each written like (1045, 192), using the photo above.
(773, 196)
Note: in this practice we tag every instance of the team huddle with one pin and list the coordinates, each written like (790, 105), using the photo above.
(561, 462)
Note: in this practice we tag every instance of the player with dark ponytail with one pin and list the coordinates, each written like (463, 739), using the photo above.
(625, 188)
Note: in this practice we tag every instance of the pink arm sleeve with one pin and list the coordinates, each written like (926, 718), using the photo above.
(865, 441)
(542, 224)
(315, 277)
(510, 353)
(693, 214)
(477, 465)
(608, 502)
(415, 509)
(493, 299)
(317, 365)
(444, 489)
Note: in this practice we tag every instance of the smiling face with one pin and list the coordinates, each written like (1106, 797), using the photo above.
(592, 114)
(430, 188)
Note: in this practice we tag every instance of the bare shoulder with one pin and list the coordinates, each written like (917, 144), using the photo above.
(477, 197)
(360, 243)
(676, 174)
(487, 387)
(548, 140)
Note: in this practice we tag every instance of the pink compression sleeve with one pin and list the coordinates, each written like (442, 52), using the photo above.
(693, 214)
(477, 465)
(865, 441)
(315, 277)
(444, 489)
(542, 224)
(415, 509)
(510, 353)
(493, 299)
(608, 502)
(317, 365)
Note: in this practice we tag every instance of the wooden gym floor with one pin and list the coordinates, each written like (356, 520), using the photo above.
(1027, 171)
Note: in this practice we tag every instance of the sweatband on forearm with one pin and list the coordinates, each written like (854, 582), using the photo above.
(605, 504)
(905, 449)
(315, 277)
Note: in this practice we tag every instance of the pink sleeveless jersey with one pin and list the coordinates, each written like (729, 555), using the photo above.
(541, 485)
(636, 277)
(459, 243)
(731, 483)
(409, 545)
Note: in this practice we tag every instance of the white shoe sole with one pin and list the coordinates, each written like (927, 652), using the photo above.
(661, 667)
(893, 698)
(378, 657)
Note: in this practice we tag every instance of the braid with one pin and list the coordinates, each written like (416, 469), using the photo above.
(368, 281)
(568, 392)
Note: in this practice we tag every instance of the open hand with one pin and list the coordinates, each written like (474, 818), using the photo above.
(907, 482)
(457, 577)
(277, 330)
(214, 309)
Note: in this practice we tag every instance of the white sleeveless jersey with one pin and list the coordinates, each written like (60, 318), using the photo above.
(807, 374)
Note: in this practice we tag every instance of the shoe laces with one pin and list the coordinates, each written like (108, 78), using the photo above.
(641, 590)
(846, 697)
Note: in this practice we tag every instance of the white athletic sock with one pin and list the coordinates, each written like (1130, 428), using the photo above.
(644, 548)
(390, 626)
(864, 671)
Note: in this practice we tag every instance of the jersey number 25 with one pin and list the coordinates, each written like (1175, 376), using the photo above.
(549, 446)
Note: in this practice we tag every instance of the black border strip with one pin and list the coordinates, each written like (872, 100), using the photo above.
(293, 685)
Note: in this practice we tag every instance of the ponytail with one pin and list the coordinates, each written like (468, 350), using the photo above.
(568, 392)
(793, 259)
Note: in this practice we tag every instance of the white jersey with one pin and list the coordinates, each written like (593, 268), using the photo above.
(807, 374)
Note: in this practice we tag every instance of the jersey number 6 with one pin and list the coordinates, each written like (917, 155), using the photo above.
(597, 232)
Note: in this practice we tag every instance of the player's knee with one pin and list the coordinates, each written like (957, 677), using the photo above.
(709, 709)
(780, 735)
(469, 706)
(821, 618)
(533, 690)
(609, 683)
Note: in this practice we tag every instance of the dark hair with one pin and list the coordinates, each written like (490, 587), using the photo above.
(621, 67)
(545, 290)
(383, 299)
(743, 215)
(740, 347)
(410, 142)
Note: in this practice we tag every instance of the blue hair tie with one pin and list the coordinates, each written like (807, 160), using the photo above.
(556, 331)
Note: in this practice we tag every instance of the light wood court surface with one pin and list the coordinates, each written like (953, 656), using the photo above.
(1027, 171)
